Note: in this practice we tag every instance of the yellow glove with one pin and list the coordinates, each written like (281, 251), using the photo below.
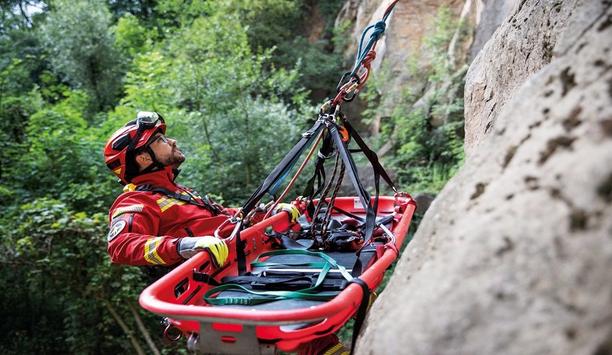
(294, 212)
(217, 248)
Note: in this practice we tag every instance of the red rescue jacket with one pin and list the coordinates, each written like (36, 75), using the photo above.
(146, 226)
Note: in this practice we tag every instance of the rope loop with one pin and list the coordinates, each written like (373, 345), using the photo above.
(369, 57)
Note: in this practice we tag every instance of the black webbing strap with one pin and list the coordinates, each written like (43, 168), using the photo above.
(206, 203)
(206, 278)
(289, 282)
(378, 172)
(253, 297)
(284, 166)
(273, 178)
(370, 154)
(361, 312)
(369, 227)
(348, 161)
(240, 252)
(326, 150)
(364, 196)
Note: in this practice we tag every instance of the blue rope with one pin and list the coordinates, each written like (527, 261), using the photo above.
(379, 29)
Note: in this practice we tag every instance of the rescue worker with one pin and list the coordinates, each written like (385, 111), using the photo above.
(158, 223)
(155, 221)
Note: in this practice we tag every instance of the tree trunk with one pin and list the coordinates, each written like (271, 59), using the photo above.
(454, 43)
(144, 331)
(125, 328)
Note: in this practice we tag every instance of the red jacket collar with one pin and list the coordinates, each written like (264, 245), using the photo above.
(160, 178)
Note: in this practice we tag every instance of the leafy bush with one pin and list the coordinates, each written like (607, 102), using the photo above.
(54, 262)
(426, 128)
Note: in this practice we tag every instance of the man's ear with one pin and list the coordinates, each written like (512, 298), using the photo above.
(143, 159)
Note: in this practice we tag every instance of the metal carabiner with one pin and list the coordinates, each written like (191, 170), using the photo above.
(351, 75)
(233, 220)
(171, 332)
(350, 98)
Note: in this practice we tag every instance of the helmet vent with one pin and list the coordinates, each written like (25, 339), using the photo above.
(121, 143)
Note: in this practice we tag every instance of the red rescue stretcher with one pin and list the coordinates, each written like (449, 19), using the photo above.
(278, 325)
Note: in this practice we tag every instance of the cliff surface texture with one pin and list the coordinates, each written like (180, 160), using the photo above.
(515, 254)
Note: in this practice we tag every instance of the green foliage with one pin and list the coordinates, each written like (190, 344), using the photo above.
(238, 165)
(176, 13)
(267, 22)
(57, 259)
(219, 93)
(146, 86)
(81, 49)
(144, 10)
(15, 109)
(131, 38)
(57, 141)
(436, 44)
(426, 128)
(283, 25)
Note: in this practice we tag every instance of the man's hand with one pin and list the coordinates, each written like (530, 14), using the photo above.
(294, 212)
(217, 248)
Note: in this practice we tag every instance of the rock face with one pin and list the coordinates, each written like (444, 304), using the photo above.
(489, 15)
(515, 254)
(403, 47)
(406, 28)
(528, 40)
(402, 43)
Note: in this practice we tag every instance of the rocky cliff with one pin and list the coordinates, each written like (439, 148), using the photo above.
(403, 45)
(514, 255)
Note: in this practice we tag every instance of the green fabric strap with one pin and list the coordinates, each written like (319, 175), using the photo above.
(309, 293)
(327, 258)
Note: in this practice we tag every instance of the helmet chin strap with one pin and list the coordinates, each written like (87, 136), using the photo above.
(155, 165)
(175, 172)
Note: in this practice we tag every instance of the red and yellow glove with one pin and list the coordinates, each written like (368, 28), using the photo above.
(292, 210)
(217, 248)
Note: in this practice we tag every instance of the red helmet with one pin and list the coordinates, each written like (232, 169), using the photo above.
(120, 148)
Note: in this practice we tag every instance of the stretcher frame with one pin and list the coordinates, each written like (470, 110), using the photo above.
(225, 330)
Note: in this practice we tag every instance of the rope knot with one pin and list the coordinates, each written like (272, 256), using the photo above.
(379, 29)
(369, 57)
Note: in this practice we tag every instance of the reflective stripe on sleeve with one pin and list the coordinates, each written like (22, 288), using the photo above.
(150, 251)
(132, 208)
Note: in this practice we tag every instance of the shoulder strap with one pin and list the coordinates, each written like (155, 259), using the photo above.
(206, 203)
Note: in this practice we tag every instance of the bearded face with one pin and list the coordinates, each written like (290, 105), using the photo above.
(166, 152)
